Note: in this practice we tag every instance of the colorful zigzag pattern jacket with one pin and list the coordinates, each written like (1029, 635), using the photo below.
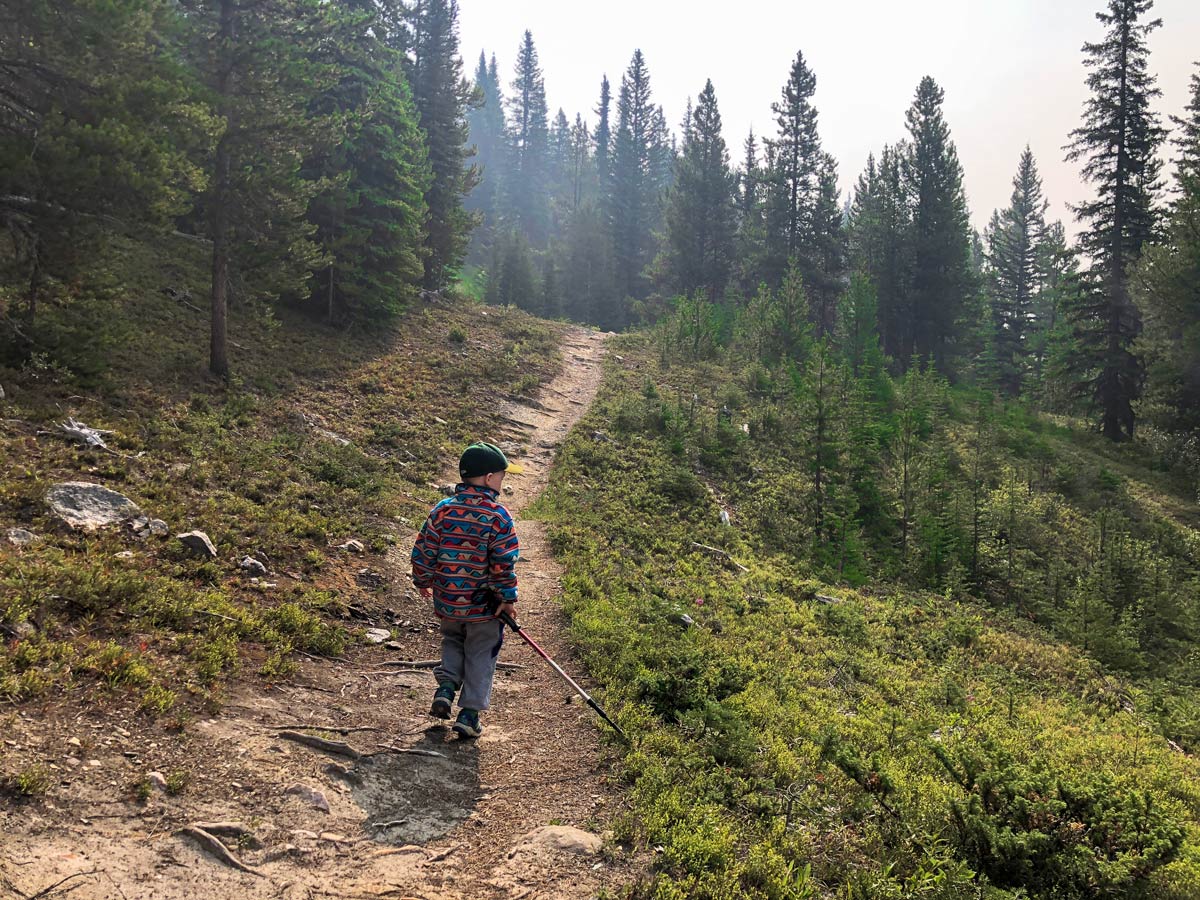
(466, 546)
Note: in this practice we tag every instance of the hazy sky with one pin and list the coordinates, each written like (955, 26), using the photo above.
(1012, 70)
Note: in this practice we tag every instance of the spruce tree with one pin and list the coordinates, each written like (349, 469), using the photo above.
(603, 135)
(99, 128)
(632, 196)
(1014, 269)
(529, 136)
(486, 128)
(700, 207)
(940, 234)
(751, 227)
(797, 156)
(1187, 141)
(370, 213)
(442, 98)
(1117, 144)
(263, 67)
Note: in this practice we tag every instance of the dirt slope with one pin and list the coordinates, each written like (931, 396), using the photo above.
(514, 814)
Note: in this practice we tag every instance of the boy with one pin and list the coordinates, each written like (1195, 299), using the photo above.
(465, 558)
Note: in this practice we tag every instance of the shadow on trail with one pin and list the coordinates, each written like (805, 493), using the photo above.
(412, 798)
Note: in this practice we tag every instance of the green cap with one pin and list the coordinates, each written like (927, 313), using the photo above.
(482, 458)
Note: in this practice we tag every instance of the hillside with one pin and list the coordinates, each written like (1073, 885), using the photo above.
(146, 687)
(811, 721)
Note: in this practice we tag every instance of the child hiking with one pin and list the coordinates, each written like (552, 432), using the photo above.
(465, 558)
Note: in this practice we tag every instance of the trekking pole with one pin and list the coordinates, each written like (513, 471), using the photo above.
(508, 620)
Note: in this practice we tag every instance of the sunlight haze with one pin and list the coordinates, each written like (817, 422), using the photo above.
(1012, 72)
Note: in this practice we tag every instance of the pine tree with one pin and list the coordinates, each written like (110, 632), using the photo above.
(486, 127)
(530, 142)
(751, 227)
(632, 198)
(442, 98)
(371, 212)
(700, 207)
(1014, 260)
(940, 234)
(797, 156)
(262, 64)
(1187, 141)
(603, 136)
(827, 250)
(1117, 142)
(97, 125)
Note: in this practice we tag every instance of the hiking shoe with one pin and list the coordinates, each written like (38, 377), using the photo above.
(443, 700)
(467, 724)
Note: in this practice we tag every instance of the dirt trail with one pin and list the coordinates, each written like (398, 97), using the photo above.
(515, 814)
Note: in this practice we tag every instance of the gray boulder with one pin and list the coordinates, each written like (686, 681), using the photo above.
(19, 537)
(252, 566)
(89, 506)
(199, 543)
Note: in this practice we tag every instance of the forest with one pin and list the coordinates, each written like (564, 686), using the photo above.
(937, 490)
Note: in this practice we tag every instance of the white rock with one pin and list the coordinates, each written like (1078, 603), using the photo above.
(252, 566)
(159, 528)
(377, 635)
(199, 543)
(158, 780)
(125, 554)
(352, 546)
(19, 537)
(82, 504)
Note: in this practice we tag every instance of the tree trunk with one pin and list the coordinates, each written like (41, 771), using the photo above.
(218, 359)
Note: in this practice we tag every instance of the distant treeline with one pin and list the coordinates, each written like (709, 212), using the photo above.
(615, 222)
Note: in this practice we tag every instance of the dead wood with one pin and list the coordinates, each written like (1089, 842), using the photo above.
(214, 846)
(434, 663)
(716, 551)
(341, 748)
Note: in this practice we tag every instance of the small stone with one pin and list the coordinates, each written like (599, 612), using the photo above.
(724, 517)
(22, 630)
(312, 795)
(301, 834)
(158, 780)
(393, 645)
(440, 421)
(72, 761)
(352, 546)
(125, 554)
(19, 537)
(94, 763)
(252, 566)
(566, 839)
(74, 742)
(333, 837)
(159, 528)
(447, 489)
(377, 635)
(683, 619)
(508, 490)
(199, 543)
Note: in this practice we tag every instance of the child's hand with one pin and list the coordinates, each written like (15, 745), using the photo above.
(425, 592)
(510, 608)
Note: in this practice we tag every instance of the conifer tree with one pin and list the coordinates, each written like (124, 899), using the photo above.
(1014, 268)
(751, 228)
(603, 135)
(529, 137)
(632, 199)
(1187, 141)
(95, 121)
(443, 96)
(940, 234)
(1117, 144)
(797, 156)
(700, 206)
(486, 127)
(1168, 289)
(262, 64)
(371, 211)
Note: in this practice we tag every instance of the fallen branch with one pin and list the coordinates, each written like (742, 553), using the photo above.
(340, 748)
(214, 846)
(412, 751)
(715, 551)
(340, 729)
(228, 829)
(47, 891)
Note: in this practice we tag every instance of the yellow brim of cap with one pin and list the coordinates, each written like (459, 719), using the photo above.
(515, 469)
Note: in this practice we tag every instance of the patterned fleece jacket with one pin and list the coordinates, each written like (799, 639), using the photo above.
(466, 545)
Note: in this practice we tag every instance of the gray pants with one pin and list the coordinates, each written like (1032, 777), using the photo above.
(469, 651)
